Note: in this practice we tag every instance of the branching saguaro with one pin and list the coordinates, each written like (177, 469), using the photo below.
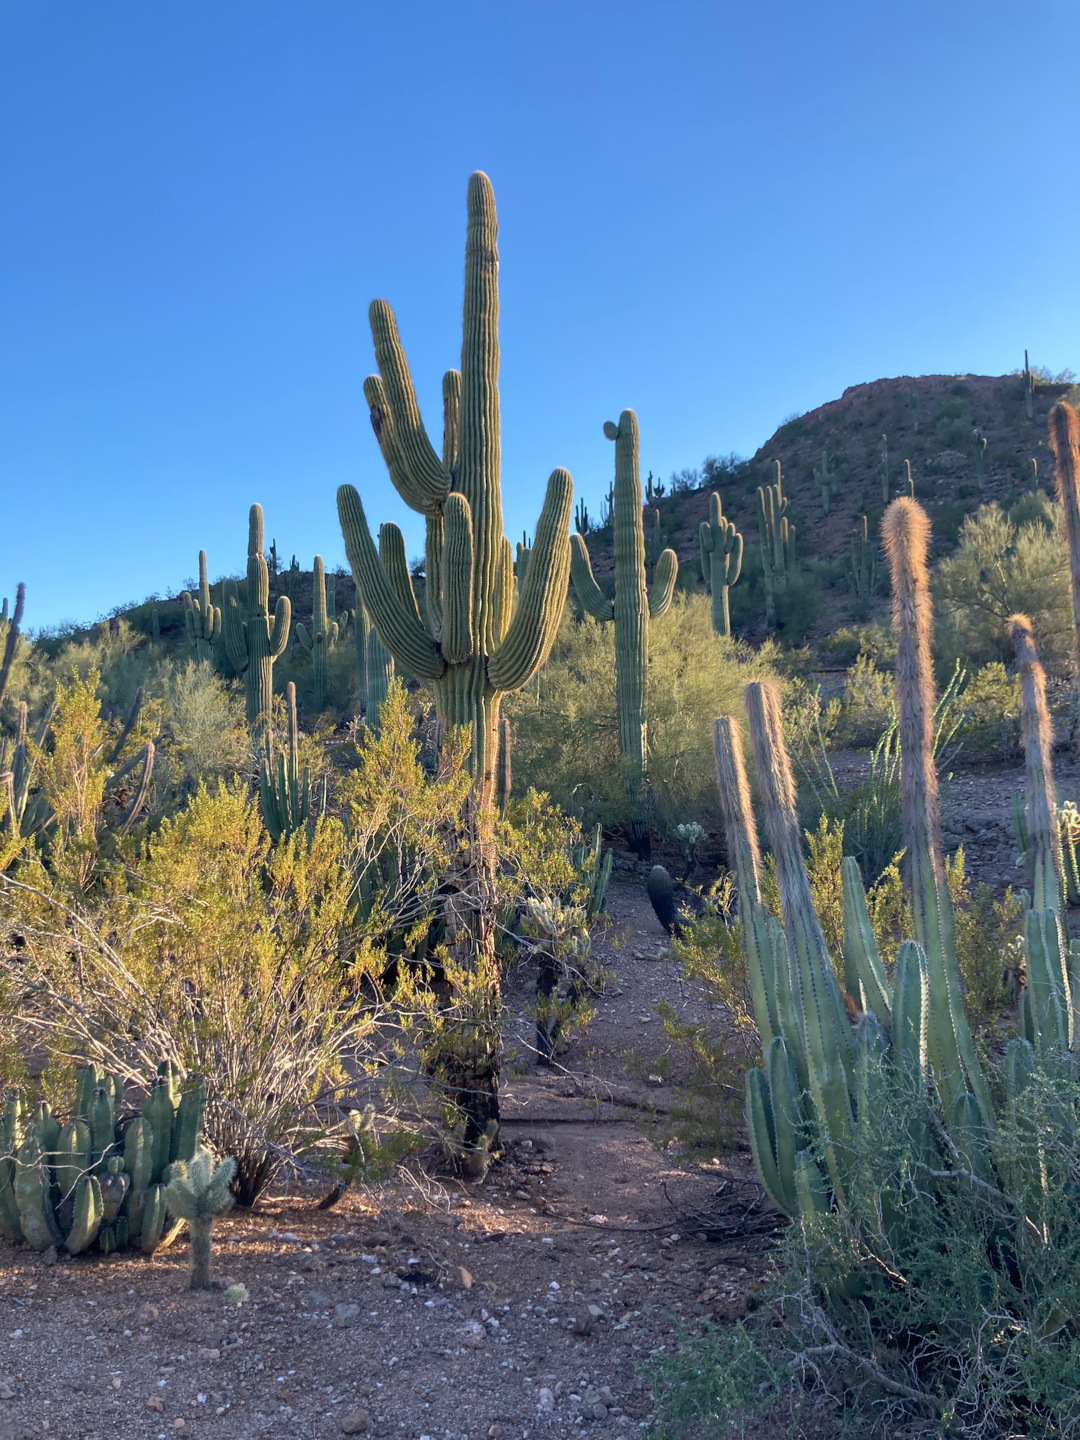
(1065, 443)
(252, 640)
(474, 643)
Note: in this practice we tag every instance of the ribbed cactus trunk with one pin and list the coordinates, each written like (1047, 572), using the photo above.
(1044, 836)
(721, 561)
(473, 644)
(1065, 443)
(202, 620)
(324, 632)
(906, 531)
(631, 610)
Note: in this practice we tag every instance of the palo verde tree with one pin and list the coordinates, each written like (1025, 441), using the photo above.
(474, 643)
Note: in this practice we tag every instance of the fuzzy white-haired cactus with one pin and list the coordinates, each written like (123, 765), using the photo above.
(198, 1192)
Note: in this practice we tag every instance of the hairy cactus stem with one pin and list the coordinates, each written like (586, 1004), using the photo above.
(906, 533)
(1042, 826)
(1065, 443)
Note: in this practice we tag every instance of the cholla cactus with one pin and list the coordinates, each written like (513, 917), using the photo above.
(198, 1192)
(689, 837)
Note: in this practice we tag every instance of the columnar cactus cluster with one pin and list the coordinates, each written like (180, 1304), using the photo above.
(777, 540)
(469, 648)
(721, 548)
(99, 1180)
(285, 788)
(829, 1049)
(252, 640)
(630, 610)
(863, 560)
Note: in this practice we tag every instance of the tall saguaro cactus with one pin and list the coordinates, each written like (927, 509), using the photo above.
(630, 609)
(253, 642)
(721, 561)
(1065, 443)
(777, 538)
(324, 632)
(474, 644)
(202, 619)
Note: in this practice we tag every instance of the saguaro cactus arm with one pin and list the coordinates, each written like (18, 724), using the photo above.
(418, 473)
(532, 631)
(592, 598)
(663, 586)
(400, 630)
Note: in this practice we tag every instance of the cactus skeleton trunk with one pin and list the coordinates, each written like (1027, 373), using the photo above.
(1065, 443)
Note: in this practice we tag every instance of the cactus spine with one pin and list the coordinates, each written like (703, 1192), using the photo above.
(1065, 443)
(252, 641)
(471, 650)
(324, 632)
(202, 619)
(721, 561)
(777, 540)
(631, 609)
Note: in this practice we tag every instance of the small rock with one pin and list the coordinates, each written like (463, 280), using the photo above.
(346, 1315)
(7, 1391)
(380, 1237)
(546, 1398)
(474, 1335)
(154, 1404)
(355, 1423)
(466, 1278)
(49, 1256)
(495, 1431)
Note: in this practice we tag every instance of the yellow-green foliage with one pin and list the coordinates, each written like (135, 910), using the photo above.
(989, 712)
(866, 707)
(1000, 569)
(989, 946)
(566, 729)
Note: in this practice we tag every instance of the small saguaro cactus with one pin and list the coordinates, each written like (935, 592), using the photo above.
(11, 636)
(324, 633)
(1065, 443)
(504, 780)
(909, 483)
(777, 540)
(912, 401)
(581, 518)
(202, 619)
(198, 1192)
(375, 668)
(285, 789)
(1034, 467)
(630, 610)
(979, 441)
(863, 560)
(654, 539)
(252, 641)
(721, 561)
(883, 470)
(825, 478)
(1029, 389)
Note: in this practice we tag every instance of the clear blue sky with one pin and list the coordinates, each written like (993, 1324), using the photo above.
(718, 214)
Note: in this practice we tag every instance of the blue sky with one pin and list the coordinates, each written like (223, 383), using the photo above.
(718, 214)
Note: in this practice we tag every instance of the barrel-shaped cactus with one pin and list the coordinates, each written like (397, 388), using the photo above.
(630, 610)
(202, 618)
(469, 647)
(252, 640)
(721, 561)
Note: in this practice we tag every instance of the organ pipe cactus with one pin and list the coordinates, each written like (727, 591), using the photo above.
(324, 633)
(96, 1180)
(1065, 443)
(721, 561)
(777, 540)
(198, 1192)
(252, 641)
(631, 610)
(202, 619)
(285, 789)
(470, 650)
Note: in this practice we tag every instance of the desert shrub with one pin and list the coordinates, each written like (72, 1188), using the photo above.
(715, 1386)
(989, 944)
(850, 641)
(565, 725)
(205, 716)
(953, 423)
(988, 711)
(998, 570)
(866, 705)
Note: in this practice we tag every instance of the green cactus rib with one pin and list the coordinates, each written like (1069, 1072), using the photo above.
(631, 609)
(252, 641)
(864, 974)
(89, 1214)
(324, 632)
(457, 647)
(721, 548)
(202, 619)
